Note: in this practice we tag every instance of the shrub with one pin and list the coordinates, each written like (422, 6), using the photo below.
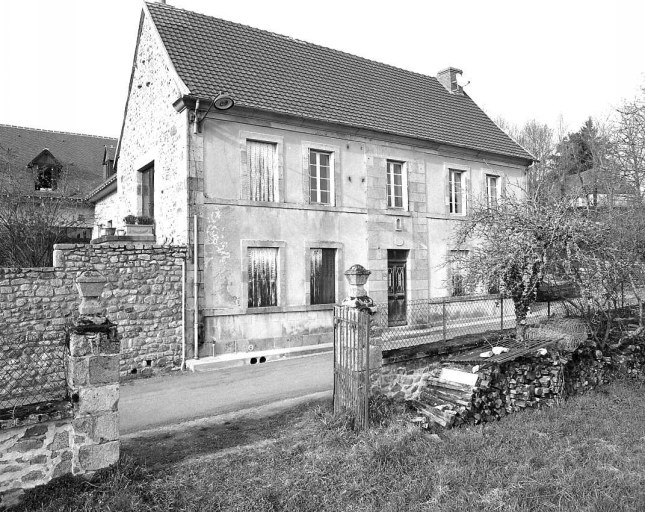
(130, 219)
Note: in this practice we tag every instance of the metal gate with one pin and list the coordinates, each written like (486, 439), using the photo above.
(351, 364)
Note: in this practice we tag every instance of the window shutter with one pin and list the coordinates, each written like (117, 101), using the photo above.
(263, 277)
(323, 276)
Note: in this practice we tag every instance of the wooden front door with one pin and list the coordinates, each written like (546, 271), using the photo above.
(396, 287)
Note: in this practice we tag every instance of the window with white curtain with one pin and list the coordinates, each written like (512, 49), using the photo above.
(262, 160)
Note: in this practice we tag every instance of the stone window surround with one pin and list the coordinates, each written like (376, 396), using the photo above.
(334, 172)
(339, 265)
(404, 182)
(282, 270)
(450, 166)
(278, 140)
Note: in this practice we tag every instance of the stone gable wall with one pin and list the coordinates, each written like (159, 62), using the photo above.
(153, 132)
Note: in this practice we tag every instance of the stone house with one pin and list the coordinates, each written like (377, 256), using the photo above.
(280, 163)
(57, 166)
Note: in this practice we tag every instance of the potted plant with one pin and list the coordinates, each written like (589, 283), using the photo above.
(106, 230)
(141, 225)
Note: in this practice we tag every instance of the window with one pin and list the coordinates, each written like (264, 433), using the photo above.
(492, 190)
(320, 176)
(395, 185)
(46, 178)
(322, 284)
(148, 191)
(263, 277)
(262, 164)
(456, 191)
(457, 273)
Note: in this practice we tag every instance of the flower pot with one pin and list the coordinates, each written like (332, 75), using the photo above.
(138, 229)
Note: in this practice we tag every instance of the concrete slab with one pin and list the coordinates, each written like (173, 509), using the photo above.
(232, 360)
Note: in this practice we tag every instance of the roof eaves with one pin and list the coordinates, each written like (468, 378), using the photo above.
(104, 189)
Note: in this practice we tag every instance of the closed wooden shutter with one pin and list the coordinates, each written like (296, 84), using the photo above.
(262, 165)
(263, 277)
(323, 276)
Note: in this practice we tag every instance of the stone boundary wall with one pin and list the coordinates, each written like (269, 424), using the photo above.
(35, 307)
(143, 297)
(80, 436)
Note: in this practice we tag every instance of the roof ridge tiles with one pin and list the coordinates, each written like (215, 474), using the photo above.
(56, 131)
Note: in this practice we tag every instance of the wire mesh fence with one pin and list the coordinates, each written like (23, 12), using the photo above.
(443, 319)
(32, 370)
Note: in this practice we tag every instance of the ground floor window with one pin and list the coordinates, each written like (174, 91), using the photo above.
(263, 277)
(458, 273)
(322, 281)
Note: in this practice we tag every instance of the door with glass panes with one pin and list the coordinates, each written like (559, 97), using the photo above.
(396, 287)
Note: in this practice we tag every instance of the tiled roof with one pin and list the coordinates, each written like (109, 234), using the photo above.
(84, 151)
(276, 73)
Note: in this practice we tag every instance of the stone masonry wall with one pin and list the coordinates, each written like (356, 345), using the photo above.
(143, 297)
(35, 306)
(153, 132)
(44, 441)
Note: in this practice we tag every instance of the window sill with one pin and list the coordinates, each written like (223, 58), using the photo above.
(284, 206)
(398, 212)
(267, 310)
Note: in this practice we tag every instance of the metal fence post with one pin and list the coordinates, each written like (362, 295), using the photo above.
(548, 307)
(501, 313)
(367, 369)
(444, 320)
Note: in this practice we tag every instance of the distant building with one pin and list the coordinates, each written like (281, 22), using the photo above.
(56, 166)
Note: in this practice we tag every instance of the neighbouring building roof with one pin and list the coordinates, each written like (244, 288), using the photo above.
(19, 146)
(275, 73)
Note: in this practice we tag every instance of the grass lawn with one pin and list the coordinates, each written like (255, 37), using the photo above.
(587, 454)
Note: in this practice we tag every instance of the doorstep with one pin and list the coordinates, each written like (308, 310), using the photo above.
(208, 364)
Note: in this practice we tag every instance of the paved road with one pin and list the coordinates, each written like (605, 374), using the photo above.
(172, 399)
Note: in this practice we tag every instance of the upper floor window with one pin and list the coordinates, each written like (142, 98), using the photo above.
(456, 188)
(262, 163)
(395, 185)
(263, 277)
(320, 176)
(492, 190)
(46, 178)
(322, 282)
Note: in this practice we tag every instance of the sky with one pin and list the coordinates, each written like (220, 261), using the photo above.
(65, 64)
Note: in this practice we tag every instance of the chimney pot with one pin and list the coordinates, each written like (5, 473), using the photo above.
(448, 78)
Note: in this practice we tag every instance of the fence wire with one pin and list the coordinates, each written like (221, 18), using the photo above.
(443, 319)
(31, 371)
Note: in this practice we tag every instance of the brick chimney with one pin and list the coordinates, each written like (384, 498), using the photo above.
(448, 78)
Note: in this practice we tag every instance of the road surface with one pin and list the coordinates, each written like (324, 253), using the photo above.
(171, 399)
